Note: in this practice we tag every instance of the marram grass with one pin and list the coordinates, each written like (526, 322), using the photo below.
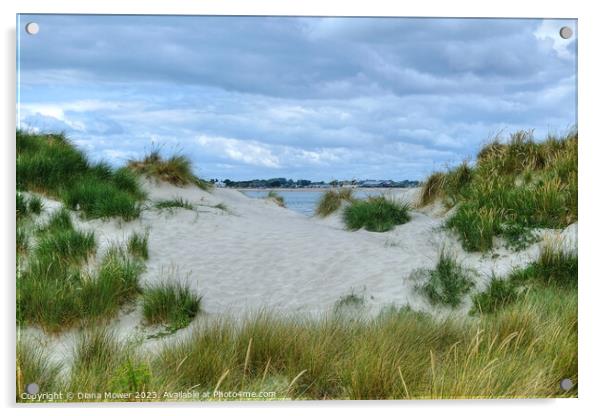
(55, 290)
(332, 200)
(171, 304)
(513, 188)
(51, 165)
(377, 214)
(524, 350)
(176, 169)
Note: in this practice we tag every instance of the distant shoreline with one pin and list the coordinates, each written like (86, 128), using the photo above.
(319, 189)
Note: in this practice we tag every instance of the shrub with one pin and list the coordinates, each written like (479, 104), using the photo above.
(375, 214)
(498, 294)
(277, 198)
(172, 304)
(332, 199)
(138, 245)
(447, 283)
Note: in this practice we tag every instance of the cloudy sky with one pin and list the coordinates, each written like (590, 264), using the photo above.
(315, 98)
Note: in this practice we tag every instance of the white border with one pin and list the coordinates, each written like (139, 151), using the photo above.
(590, 370)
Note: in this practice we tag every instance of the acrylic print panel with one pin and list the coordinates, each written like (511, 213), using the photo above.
(231, 208)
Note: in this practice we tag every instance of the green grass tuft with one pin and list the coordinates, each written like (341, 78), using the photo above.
(498, 294)
(332, 199)
(35, 205)
(171, 304)
(375, 214)
(447, 283)
(60, 220)
(350, 301)
(100, 199)
(67, 246)
(174, 203)
(115, 284)
(138, 245)
(555, 266)
(432, 188)
(55, 294)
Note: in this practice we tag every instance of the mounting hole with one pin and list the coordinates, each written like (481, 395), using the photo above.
(566, 32)
(32, 28)
(32, 388)
(566, 384)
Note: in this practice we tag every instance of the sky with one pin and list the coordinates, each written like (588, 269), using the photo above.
(311, 98)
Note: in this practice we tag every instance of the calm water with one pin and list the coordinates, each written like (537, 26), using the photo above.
(305, 201)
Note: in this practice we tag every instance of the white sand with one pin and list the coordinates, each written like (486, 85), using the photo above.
(258, 256)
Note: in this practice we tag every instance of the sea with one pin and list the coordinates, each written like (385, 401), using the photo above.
(305, 201)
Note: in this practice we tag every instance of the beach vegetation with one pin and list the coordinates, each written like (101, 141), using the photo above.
(277, 198)
(55, 290)
(498, 294)
(522, 350)
(331, 200)
(137, 245)
(446, 284)
(513, 188)
(350, 301)
(172, 304)
(377, 214)
(35, 205)
(34, 365)
(50, 164)
(555, 265)
(176, 169)
(170, 204)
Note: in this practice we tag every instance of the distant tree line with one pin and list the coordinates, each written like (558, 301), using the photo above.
(305, 183)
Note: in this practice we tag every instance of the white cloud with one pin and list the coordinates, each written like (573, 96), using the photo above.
(249, 152)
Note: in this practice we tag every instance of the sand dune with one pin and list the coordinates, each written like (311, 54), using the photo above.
(256, 255)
